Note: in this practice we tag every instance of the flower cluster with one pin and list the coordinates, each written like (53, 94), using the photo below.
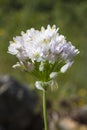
(43, 53)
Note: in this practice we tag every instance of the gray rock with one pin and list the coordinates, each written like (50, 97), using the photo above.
(17, 105)
(80, 115)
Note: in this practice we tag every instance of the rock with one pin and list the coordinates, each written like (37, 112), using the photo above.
(83, 127)
(68, 124)
(1, 128)
(53, 120)
(80, 115)
(17, 105)
(64, 103)
(37, 123)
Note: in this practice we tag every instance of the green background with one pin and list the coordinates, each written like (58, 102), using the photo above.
(70, 16)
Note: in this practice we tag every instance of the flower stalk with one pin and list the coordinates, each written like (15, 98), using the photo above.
(45, 110)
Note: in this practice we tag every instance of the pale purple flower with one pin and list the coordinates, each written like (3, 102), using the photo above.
(43, 49)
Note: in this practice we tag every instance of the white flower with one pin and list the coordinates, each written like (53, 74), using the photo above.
(39, 85)
(66, 66)
(17, 65)
(17, 48)
(45, 51)
(53, 75)
(41, 66)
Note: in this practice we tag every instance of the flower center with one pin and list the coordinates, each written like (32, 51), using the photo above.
(36, 55)
(46, 41)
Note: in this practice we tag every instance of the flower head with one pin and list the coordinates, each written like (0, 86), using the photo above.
(43, 52)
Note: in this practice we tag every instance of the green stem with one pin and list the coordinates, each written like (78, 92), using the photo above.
(45, 110)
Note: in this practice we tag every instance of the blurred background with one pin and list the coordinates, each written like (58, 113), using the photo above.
(71, 17)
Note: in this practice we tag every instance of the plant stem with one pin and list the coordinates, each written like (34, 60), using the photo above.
(45, 110)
